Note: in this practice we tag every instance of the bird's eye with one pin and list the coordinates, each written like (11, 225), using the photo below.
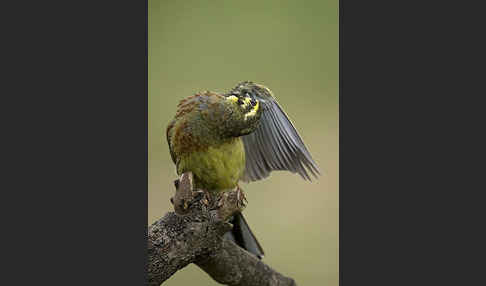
(240, 102)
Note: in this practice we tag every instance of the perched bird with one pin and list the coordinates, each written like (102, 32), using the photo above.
(242, 135)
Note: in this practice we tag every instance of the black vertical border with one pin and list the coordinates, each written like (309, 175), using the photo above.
(409, 141)
(75, 194)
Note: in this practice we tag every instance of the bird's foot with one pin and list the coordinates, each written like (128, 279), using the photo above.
(202, 195)
(229, 202)
(186, 196)
(240, 198)
(221, 200)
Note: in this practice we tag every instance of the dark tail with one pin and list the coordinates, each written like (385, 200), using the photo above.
(243, 237)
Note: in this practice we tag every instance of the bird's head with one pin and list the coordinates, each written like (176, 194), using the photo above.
(247, 98)
(248, 89)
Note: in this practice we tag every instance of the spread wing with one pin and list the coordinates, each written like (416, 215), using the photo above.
(276, 145)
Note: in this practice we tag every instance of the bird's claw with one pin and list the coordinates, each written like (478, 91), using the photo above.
(201, 195)
(186, 195)
(240, 198)
(221, 200)
(229, 202)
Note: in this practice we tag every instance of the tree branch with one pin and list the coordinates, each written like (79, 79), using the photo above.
(195, 235)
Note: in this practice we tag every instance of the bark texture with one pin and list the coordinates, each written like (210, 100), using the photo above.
(194, 234)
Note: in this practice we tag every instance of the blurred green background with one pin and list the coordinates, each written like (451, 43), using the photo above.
(289, 46)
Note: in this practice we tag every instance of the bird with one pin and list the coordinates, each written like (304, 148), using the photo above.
(242, 135)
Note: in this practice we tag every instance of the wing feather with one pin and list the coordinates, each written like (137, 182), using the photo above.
(276, 146)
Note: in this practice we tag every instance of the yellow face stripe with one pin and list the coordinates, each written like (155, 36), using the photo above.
(232, 98)
(253, 111)
(246, 101)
